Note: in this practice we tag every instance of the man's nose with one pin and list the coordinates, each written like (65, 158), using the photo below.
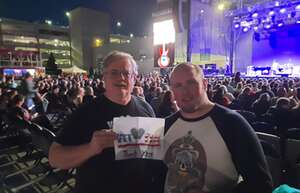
(123, 75)
(185, 88)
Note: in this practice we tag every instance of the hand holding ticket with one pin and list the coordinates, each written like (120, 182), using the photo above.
(138, 137)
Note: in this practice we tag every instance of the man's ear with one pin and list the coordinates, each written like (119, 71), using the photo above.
(205, 83)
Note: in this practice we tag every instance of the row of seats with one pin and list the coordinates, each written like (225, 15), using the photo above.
(261, 125)
(24, 165)
(283, 156)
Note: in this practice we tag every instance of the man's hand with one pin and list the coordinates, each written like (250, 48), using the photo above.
(101, 140)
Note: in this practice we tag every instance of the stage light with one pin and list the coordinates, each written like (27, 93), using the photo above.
(297, 7)
(268, 26)
(298, 21)
(202, 11)
(280, 24)
(67, 14)
(255, 28)
(245, 23)
(221, 6)
(254, 15)
(277, 3)
(283, 10)
(236, 25)
(272, 12)
(245, 29)
(131, 35)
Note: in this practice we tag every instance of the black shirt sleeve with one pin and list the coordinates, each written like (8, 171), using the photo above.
(77, 129)
(246, 151)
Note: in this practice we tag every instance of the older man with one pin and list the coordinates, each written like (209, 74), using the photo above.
(87, 144)
(210, 149)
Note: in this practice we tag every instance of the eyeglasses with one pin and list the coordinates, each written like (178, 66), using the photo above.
(117, 74)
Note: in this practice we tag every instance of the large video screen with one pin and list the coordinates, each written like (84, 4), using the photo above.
(164, 39)
(280, 50)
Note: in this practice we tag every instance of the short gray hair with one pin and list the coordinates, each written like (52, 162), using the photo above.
(115, 56)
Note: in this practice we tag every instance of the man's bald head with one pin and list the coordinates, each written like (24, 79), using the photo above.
(188, 66)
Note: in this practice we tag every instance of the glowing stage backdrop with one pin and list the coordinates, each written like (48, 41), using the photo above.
(280, 49)
(164, 39)
(208, 43)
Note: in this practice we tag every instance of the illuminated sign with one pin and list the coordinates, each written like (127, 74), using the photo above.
(18, 71)
(164, 55)
(164, 39)
(164, 32)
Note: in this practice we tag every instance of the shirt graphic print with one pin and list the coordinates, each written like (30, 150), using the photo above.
(187, 165)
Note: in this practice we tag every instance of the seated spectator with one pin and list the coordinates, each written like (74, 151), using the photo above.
(100, 89)
(88, 96)
(150, 94)
(75, 98)
(11, 94)
(63, 97)
(246, 99)
(265, 89)
(255, 87)
(262, 104)
(55, 103)
(281, 92)
(295, 116)
(16, 111)
(296, 95)
(219, 97)
(138, 91)
(155, 101)
(168, 105)
(238, 89)
(230, 89)
(281, 114)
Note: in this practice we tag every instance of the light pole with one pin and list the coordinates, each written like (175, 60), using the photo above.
(68, 15)
(49, 22)
(119, 25)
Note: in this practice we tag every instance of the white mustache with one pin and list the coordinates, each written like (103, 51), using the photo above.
(121, 85)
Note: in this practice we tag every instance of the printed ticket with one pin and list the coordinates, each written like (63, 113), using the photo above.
(139, 137)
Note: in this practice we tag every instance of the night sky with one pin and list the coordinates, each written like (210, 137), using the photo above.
(135, 15)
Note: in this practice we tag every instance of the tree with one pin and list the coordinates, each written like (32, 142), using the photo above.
(51, 66)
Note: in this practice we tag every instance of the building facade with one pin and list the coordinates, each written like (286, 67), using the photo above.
(91, 40)
(30, 44)
(83, 43)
